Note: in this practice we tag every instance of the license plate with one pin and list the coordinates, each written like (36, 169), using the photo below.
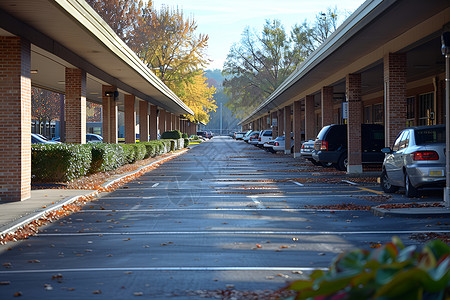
(436, 173)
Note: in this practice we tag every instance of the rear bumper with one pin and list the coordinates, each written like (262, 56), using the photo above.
(429, 175)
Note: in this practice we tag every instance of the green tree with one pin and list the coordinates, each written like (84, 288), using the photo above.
(257, 65)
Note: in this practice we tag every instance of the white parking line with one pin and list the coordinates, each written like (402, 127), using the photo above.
(258, 203)
(243, 232)
(297, 183)
(155, 185)
(122, 269)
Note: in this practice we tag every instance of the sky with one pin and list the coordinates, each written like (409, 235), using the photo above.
(224, 21)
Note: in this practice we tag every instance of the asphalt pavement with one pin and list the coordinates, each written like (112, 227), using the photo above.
(224, 216)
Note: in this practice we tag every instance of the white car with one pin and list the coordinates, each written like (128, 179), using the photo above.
(254, 137)
(264, 137)
(248, 134)
(279, 144)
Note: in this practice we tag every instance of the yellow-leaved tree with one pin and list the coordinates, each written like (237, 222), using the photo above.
(199, 97)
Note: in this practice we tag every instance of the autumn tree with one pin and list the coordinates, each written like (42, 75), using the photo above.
(45, 108)
(120, 15)
(167, 43)
(257, 65)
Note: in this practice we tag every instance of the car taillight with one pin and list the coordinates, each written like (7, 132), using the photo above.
(277, 144)
(324, 146)
(425, 155)
(259, 139)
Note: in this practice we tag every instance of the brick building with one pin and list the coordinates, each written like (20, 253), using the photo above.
(384, 63)
(65, 47)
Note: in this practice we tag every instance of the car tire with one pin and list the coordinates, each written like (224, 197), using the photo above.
(386, 186)
(410, 190)
(342, 163)
(326, 164)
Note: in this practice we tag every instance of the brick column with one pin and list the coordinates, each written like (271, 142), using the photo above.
(297, 124)
(394, 95)
(309, 118)
(354, 121)
(288, 129)
(170, 121)
(15, 115)
(153, 122)
(110, 119)
(177, 123)
(143, 121)
(75, 106)
(162, 121)
(327, 105)
(130, 119)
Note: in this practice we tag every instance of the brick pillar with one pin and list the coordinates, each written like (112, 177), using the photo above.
(395, 95)
(153, 122)
(309, 118)
(177, 123)
(170, 121)
(130, 119)
(297, 124)
(287, 129)
(327, 105)
(354, 121)
(274, 116)
(15, 115)
(162, 121)
(143, 121)
(75, 106)
(110, 119)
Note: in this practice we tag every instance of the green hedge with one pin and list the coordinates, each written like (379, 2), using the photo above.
(106, 157)
(66, 162)
(186, 142)
(171, 135)
(59, 162)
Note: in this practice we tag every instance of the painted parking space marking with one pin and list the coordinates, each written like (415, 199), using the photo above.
(124, 269)
(297, 183)
(234, 232)
(155, 185)
(370, 190)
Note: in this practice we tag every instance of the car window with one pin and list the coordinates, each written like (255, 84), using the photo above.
(397, 142)
(430, 136)
(405, 140)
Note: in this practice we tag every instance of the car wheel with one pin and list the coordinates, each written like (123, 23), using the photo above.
(316, 163)
(411, 191)
(342, 163)
(326, 164)
(386, 186)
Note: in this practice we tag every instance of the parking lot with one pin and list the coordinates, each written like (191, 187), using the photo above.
(224, 216)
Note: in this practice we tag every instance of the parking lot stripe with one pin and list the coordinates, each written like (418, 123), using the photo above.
(219, 232)
(297, 183)
(370, 190)
(124, 269)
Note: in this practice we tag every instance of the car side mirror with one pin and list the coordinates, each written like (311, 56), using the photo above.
(386, 150)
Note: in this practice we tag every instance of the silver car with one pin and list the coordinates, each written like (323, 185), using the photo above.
(417, 159)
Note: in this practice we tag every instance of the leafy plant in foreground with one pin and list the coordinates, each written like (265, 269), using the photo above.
(392, 271)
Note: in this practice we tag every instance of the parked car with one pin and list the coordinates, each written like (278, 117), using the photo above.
(265, 136)
(93, 138)
(330, 145)
(39, 139)
(306, 151)
(268, 146)
(280, 142)
(202, 134)
(246, 137)
(416, 160)
(239, 135)
(254, 137)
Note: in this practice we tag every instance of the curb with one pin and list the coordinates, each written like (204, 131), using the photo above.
(435, 212)
(22, 221)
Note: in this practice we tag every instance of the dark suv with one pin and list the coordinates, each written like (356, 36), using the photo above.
(331, 145)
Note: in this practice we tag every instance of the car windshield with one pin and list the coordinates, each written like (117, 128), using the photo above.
(430, 136)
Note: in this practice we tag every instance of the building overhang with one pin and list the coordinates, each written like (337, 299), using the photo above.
(69, 33)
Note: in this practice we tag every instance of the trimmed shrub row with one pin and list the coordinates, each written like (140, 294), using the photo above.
(67, 162)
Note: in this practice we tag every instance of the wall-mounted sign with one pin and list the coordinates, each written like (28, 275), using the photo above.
(344, 110)
(274, 122)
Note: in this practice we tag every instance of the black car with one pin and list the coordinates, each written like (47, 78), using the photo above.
(331, 145)
(202, 134)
